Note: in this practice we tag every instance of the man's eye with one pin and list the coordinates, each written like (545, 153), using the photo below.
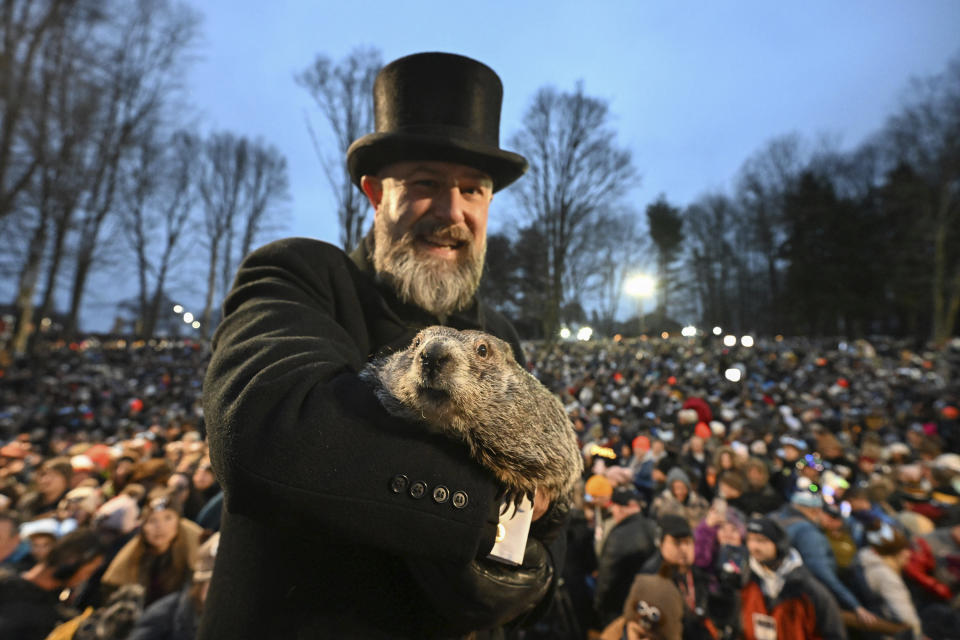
(426, 183)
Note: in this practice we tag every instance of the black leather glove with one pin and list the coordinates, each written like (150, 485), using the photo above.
(485, 593)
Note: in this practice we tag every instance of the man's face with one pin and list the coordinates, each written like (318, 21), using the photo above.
(9, 537)
(761, 548)
(430, 229)
(678, 552)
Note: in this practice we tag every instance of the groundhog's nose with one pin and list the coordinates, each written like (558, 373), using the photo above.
(433, 357)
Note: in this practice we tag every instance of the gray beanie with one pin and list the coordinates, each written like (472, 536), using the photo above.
(677, 474)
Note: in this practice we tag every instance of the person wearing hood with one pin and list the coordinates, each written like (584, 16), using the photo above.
(781, 598)
(801, 519)
(882, 562)
(628, 545)
(679, 498)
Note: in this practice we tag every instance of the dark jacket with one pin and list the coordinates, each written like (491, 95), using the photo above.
(172, 617)
(803, 608)
(331, 526)
(818, 558)
(628, 545)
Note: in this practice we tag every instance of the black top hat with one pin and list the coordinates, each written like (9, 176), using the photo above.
(436, 106)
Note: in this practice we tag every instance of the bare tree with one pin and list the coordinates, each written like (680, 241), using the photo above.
(343, 92)
(25, 28)
(143, 51)
(157, 200)
(52, 134)
(764, 179)
(240, 184)
(925, 135)
(576, 171)
(267, 187)
(708, 226)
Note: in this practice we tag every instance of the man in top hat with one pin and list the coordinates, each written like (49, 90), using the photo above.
(340, 520)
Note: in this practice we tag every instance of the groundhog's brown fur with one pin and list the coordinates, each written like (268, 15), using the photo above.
(467, 384)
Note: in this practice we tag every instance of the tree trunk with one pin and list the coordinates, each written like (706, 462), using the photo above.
(29, 276)
(211, 288)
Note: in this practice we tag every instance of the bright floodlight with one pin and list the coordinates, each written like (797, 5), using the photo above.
(177, 308)
(196, 324)
(729, 340)
(584, 333)
(188, 317)
(689, 331)
(565, 333)
(640, 286)
(746, 341)
(732, 374)
(717, 331)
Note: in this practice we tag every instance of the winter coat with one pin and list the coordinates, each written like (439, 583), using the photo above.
(172, 617)
(341, 520)
(628, 545)
(27, 612)
(802, 609)
(694, 508)
(159, 576)
(817, 555)
(888, 586)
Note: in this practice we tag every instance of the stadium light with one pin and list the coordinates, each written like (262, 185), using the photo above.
(188, 317)
(729, 340)
(733, 374)
(640, 287)
(565, 333)
(717, 331)
(689, 331)
(746, 341)
(178, 309)
(196, 324)
(584, 333)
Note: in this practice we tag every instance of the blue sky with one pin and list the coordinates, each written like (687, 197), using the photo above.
(694, 87)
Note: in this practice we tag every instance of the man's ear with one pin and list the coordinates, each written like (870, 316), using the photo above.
(373, 189)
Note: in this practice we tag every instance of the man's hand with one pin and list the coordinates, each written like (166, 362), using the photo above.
(540, 504)
(865, 616)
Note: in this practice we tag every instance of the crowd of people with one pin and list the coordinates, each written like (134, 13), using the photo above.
(817, 495)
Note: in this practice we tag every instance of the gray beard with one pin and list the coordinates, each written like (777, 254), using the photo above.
(432, 284)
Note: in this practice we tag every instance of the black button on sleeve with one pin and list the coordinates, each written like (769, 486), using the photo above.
(418, 489)
(441, 494)
(460, 499)
(398, 483)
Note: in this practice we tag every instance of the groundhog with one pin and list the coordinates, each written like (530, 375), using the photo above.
(468, 385)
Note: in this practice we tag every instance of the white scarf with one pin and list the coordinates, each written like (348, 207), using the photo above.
(772, 580)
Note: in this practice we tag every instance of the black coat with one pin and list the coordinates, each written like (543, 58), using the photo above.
(629, 544)
(327, 520)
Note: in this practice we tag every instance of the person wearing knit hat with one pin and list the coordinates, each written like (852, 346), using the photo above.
(781, 598)
(628, 544)
(679, 498)
(801, 519)
(653, 610)
(882, 561)
(703, 615)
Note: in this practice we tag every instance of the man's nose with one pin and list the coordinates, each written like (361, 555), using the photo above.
(448, 205)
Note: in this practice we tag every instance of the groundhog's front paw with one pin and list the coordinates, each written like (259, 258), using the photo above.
(511, 499)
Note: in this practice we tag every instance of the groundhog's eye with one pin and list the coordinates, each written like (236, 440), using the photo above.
(416, 342)
(482, 350)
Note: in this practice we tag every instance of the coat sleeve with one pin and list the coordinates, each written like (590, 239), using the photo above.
(818, 558)
(829, 621)
(299, 441)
